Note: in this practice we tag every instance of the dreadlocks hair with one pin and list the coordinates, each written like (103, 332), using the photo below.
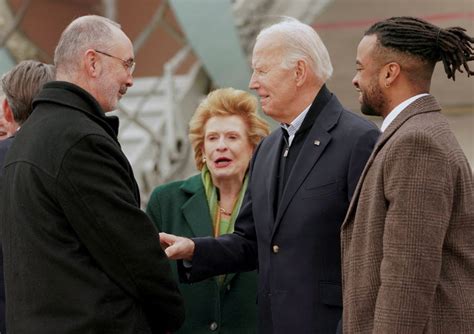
(426, 41)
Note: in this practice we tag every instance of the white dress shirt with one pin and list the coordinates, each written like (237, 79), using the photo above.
(294, 126)
(398, 109)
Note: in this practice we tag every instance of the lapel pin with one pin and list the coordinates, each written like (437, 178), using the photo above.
(317, 142)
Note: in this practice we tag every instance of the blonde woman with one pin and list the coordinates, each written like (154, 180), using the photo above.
(224, 131)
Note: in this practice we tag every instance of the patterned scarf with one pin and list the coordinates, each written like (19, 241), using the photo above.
(226, 226)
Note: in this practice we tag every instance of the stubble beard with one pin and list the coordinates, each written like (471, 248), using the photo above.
(373, 102)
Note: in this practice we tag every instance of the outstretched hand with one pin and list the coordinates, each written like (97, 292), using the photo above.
(177, 248)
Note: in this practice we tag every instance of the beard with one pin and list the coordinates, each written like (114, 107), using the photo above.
(108, 94)
(373, 101)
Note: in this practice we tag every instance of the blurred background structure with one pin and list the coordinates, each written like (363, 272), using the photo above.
(185, 48)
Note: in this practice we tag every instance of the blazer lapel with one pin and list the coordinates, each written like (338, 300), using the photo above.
(313, 147)
(198, 218)
(422, 105)
(267, 155)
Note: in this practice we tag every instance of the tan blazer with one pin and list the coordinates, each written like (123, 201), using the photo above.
(408, 237)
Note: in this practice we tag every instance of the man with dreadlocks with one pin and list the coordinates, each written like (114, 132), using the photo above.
(407, 240)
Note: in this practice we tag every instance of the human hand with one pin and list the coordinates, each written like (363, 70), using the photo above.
(177, 248)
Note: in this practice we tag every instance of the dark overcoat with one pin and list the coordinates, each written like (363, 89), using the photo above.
(4, 147)
(296, 247)
(79, 255)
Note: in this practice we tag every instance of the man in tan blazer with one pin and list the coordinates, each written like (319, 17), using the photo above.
(408, 237)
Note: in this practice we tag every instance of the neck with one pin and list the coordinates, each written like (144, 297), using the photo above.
(401, 90)
(394, 101)
(229, 190)
(306, 96)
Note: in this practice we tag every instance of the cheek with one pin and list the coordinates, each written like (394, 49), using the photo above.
(207, 148)
(246, 154)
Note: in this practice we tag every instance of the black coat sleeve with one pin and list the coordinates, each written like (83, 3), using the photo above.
(229, 253)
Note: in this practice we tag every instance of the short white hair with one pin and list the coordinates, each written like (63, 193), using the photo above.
(85, 32)
(301, 41)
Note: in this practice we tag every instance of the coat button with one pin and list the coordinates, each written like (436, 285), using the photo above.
(213, 326)
(275, 249)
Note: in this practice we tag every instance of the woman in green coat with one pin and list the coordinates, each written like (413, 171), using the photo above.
(224, 131)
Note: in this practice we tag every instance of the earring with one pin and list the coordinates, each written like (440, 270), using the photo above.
(387, 85)
(203, 159)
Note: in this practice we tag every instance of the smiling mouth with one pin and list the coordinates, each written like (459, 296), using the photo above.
(264, 98)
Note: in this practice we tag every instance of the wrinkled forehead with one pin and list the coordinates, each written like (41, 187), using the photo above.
(267, 51)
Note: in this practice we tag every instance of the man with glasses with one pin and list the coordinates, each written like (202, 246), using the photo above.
(79, 254)
(129, 63)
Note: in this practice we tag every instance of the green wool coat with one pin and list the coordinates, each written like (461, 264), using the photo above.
(181, 208)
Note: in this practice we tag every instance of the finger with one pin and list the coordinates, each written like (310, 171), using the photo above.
(171, 252)
(166, 238)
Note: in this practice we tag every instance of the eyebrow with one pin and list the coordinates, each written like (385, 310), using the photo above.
(224, 132)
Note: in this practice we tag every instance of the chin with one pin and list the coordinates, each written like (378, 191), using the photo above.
(368, 110)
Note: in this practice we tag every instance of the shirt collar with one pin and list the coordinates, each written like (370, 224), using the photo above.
(294, 126)
(398, 109)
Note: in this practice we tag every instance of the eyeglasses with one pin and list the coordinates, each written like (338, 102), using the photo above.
(129, 64)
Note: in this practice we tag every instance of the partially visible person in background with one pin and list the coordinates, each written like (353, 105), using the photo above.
(224, 132)
(408, 237)
(6, 130)
(18, 87)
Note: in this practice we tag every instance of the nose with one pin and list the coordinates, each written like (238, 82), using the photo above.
(253, 84)
(129, 81)
(221, 145)
(355, 81)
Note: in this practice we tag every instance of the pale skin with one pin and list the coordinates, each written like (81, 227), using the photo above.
(227, 150)
(4, 133)
(8, 126)
(105, 78)
(283, 92)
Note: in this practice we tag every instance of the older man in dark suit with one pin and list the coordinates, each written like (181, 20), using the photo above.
(407, 241)
(301, 181)
(20, 85)
(79, 254)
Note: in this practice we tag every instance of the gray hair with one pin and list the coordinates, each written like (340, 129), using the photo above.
(85, 32)
(301, 41)
(21, 85)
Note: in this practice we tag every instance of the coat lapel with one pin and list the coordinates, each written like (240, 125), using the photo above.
(198, 219)
(272, 161)
(422, 105)
(313, 147)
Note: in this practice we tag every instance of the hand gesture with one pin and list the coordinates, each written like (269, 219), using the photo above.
(177, 248)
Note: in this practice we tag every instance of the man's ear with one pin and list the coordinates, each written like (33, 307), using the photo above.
(390, 73)
(91, 63)
(301, 72)
(7, 111)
